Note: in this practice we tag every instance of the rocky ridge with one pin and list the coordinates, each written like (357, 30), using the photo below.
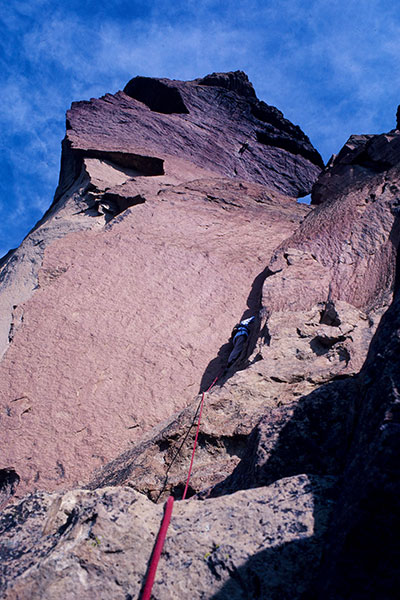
(295, 485)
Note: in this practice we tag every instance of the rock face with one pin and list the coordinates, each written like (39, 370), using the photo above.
(361, 159)
(155, 245)
(100, 526)
(125, 320)
(175, 217)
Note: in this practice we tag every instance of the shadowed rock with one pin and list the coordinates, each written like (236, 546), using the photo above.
(235, 81)
(258, 543)
(158, 95)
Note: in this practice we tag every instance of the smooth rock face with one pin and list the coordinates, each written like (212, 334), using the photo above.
(174, 236)
(125, 320)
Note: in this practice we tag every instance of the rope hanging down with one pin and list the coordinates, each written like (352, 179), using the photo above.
(196, 436)
(155, 557)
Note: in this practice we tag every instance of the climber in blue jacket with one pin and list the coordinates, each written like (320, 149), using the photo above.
(239, 337)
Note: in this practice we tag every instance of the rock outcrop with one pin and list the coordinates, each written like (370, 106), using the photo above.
(160, 226)
(175, 216)
(110, 534)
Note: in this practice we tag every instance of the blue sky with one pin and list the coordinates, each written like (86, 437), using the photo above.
(332, 67)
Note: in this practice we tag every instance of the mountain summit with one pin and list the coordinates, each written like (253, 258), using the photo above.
(175, 219)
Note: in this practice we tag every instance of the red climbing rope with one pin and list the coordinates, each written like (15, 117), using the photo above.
(196, 436)
(155, 557)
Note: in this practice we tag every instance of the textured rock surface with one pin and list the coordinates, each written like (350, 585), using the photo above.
(155, 122)
(176, 232)
(20, 268)
(125, 320)
(293, 365)
(350, 243)
(325, 291)
(132, 294)
(360, 159)
(96, 544)
(131, 144)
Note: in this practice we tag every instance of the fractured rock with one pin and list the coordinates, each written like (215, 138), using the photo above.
(256, 543)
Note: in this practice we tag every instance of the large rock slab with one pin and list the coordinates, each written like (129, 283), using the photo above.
(125, 319)
(113, 306)
(298, 446)
(324, 292)
(162, 186)
(346, 250)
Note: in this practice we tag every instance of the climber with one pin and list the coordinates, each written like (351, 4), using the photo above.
(239, 337)
(243, 147)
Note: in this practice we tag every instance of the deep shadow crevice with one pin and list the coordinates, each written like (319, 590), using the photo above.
(217, 367)
(9, 481)
(157, 95)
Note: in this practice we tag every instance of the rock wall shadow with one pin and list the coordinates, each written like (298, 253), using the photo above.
(362, 554)
(283, 572)
(395, 239)
(347, 429)
(313, 439)
(217, 366)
